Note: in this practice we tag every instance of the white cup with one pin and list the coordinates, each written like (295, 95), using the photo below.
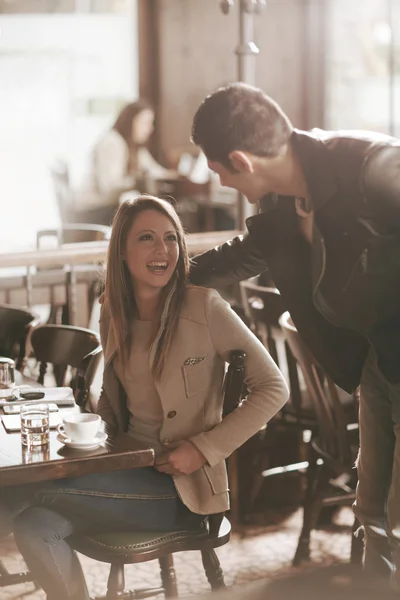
(80, 427)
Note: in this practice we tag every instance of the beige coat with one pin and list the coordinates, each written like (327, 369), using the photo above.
(191, 394)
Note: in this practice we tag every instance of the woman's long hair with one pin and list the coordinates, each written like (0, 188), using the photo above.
(119, 289)
(123, 123)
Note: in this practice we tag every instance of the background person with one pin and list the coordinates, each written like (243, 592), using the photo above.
(329, 233)
(118, 161)
(165, 345)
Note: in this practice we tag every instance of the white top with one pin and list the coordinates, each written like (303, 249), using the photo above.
(107, 176)
(143, 401)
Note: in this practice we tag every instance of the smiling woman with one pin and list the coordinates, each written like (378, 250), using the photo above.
(165, 345)
(147, 268)
(151, 256)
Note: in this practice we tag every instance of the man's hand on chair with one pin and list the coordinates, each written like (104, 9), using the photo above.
(184, 459)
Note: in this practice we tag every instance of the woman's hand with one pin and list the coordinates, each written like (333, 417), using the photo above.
(184, 459)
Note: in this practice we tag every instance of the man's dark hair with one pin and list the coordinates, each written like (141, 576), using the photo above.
(240, 117)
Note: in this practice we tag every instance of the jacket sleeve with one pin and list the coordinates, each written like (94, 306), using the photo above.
(380, 181)
(104, 408)
(268, 391)
(233, 261)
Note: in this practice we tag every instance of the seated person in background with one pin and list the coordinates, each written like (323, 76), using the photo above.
(117, 161)
(165, 345)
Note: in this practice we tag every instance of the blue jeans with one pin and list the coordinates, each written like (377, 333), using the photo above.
(377, 503)
(44, 516)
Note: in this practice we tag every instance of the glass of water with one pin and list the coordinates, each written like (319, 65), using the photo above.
(35, 424)
(35, 454)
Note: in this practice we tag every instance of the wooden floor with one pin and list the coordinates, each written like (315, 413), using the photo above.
(261, 552)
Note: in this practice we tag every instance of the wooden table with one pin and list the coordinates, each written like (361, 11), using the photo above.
(18, 465)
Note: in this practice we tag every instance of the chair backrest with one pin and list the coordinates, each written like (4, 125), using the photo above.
(234, 382)
(64, 346)
(333, 438)
(262, 306)
(15, 324)
(74, 233)
(62, 189)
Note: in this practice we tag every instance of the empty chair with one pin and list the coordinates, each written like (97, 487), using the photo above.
(15, 324)
(65, 195)
(62, 189)
(120, 548)
(276, 450)
(331, 477)
(64, 346)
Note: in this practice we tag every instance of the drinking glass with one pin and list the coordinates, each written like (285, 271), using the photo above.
(7, 379)
(35, 454)
(35, 424)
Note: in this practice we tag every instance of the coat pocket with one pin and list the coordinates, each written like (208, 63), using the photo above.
(195, 377)
(217, 477)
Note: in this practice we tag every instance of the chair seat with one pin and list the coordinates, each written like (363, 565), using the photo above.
(137, 546)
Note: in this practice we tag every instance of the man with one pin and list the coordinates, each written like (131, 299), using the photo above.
(329, 233)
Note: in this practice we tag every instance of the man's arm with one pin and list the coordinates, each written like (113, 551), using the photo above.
(233, 261)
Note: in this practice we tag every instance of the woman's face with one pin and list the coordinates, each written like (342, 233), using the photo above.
(142, 126)
(152, 251)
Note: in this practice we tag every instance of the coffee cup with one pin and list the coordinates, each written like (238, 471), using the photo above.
(80, 427)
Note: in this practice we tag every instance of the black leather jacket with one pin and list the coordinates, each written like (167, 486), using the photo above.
(343, 292)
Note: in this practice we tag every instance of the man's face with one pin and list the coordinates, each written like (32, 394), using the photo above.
(243, 181)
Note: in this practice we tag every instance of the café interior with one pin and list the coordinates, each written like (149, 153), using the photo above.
(67, 70)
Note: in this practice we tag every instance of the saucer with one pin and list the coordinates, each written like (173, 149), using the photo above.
(98, 439)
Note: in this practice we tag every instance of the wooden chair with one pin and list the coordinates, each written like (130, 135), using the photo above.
(263, 306)
(331, 477)
(275, 450)
(120, 549)
(64, 196)
(15, 324)
(64, 346)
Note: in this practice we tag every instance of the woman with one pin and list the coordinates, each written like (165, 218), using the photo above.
(165, 346)
(117, 163)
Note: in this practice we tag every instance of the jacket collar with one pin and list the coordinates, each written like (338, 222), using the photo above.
(316, 163)
(317, 168)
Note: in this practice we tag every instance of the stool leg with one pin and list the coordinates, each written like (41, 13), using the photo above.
(213, 569)
(116, 582)
(168, 576)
